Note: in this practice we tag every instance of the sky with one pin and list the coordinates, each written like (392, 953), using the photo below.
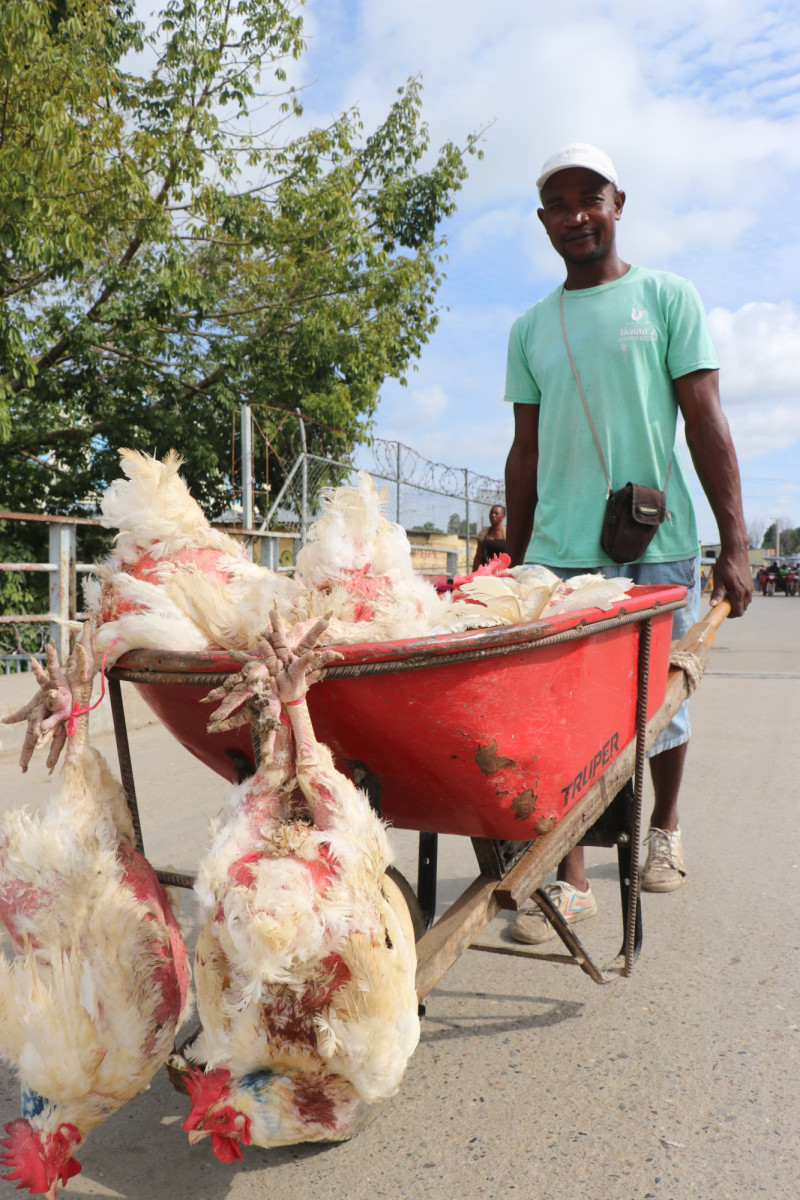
(698, 104)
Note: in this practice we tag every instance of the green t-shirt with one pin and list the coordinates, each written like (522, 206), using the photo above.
(629, 339)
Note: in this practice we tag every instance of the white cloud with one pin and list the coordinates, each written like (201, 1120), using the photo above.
(416, 410)
(678, 147)
(772, 427)
(509, 223)
(759, 352)
(653, 234)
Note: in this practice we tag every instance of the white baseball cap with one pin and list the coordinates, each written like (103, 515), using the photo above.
(578, 154)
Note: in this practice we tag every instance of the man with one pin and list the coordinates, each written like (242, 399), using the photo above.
(641, 350)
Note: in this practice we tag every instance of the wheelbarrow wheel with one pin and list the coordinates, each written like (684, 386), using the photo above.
(178, 1066)
(409, 895)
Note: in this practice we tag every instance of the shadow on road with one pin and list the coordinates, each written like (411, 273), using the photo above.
(479, 1024)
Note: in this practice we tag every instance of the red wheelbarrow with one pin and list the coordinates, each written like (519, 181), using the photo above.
(518, 737)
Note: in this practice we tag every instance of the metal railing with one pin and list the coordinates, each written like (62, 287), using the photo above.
(63, 570)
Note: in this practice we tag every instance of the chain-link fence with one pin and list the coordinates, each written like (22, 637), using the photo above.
(19, 641)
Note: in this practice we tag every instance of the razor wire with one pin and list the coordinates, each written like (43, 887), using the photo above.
(426, 498)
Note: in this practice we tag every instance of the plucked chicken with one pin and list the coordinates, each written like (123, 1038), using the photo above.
(358, 569)
(359, 574)
(97, 980)
(173, 582)
(305, 965)
(507, 595)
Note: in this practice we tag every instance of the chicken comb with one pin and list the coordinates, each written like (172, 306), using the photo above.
(498, 565)
(204, 1090)
(39, 1160)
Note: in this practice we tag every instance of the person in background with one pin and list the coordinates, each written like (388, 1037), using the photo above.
(492, 538)
(642, 350)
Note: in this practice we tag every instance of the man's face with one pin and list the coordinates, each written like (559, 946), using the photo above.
(579, 211)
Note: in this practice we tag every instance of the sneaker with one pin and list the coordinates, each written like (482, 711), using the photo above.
(665, 869)
(532, 925)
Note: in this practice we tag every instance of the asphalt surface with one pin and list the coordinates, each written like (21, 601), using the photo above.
(530, 1080)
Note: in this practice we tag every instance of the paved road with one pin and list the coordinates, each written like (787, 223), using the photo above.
(531, 1081)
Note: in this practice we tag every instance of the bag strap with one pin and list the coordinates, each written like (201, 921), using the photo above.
(586, 406)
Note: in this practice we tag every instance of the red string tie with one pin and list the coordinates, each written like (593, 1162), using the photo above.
(79, 711)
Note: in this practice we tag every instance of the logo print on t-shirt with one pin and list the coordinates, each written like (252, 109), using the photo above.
(639, 330)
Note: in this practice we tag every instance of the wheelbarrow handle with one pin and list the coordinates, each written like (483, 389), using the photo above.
(719, 612)
(714, 618)
(690, 654)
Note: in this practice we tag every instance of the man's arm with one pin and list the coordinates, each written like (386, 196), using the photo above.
(521, 471)
(714, 458)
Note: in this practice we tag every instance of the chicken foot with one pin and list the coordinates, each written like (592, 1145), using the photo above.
(46, 713)
(246, 695)
(284, 666)
(246, 698)
(293, 665)
(60, 690)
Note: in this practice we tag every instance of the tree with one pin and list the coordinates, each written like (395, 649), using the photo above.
(169, 248)
(458, 524)
(790, 538)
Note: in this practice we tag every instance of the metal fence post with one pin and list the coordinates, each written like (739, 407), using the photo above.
(468, 563)
(304, 482)
(247, 475)
(397, 495)
(63, 551)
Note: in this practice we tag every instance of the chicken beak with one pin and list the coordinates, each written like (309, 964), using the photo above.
(197, 1135)
(52, 1194)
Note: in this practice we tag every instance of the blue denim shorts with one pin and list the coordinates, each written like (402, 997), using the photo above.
(686, 572)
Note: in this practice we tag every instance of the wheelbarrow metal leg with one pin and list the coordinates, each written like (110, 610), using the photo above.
(632, 907)
(124, 755)
(167, 878)
(427, 865)
(625, 879)
(569, 938)
(616, 828)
